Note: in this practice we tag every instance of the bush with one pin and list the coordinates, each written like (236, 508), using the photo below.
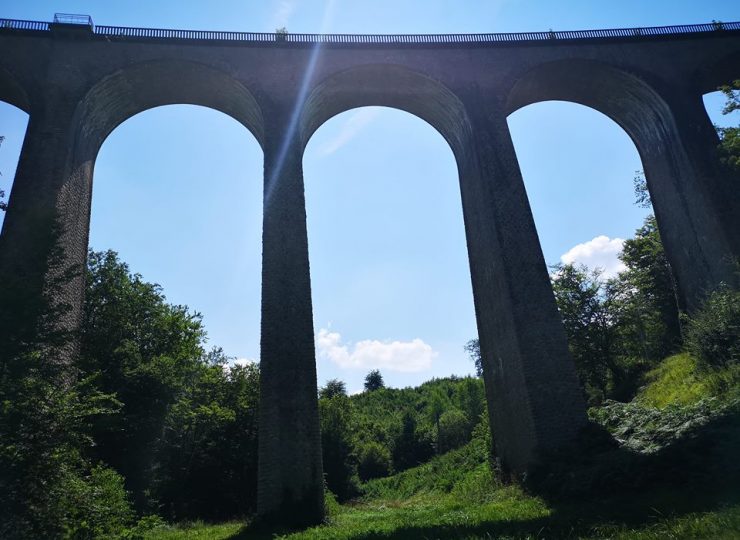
(48, 488)
(453, 430)
(713, 334)
(97, 505)
(411, 446)
(373, 461)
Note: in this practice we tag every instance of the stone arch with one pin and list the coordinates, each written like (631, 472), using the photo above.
(12, 92)
(620, 95)
(140, 87)
(689, 223)
(391, 86)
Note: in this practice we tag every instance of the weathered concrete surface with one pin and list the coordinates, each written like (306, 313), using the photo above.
(77, 87)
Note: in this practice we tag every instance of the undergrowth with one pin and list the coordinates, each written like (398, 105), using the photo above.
(672, 473)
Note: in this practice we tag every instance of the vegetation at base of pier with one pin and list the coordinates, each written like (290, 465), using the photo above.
(674, 474)
(148, 434)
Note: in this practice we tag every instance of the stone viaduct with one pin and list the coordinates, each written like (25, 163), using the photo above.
(78, 82)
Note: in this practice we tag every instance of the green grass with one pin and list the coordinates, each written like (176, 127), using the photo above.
(440, 475)
(196, 531)
(679, 381)
(476, 507)
(510, 514)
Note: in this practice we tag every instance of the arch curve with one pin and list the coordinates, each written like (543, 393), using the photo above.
(387, 85)
(140, 87)
(622, 96)
(684, 206)
(12, 92)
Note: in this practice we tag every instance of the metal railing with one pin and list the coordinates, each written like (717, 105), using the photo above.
(15, 24)
(71, 18)
(162, 33)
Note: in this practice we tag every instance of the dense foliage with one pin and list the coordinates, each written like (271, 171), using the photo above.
(143, 415)
(729, 148)
(386, 430)
(618, 328)
(185, 435)
(713, 334)
(49, 485)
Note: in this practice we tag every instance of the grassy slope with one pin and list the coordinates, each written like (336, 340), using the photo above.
(455, 496)
(678, 381)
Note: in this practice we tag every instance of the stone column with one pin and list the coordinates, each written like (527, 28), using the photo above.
(534, 399)
(701, 141)
(290, 476)
(43, 244)
(696, 201)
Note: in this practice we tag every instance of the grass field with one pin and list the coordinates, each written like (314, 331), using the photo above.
(512, 515)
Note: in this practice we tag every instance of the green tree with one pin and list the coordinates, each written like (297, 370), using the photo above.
(142, 350)
(438, 404)
(207, 456)
(729, 148)
(374, 381)
(49, 486)
(642, 195)
(470, 398)
(410, 447)
(373, 461)
(340, 467)
(454, 430)
(649, 313)
(472, 347)
(579, 296)
(333, 387)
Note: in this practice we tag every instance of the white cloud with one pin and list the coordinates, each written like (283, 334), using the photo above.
(349, 130)
(600, 252)
(285, 9)
(404, 356)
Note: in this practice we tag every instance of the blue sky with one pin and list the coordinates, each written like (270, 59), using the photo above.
(178, 189)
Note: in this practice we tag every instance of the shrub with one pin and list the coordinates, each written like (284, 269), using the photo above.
(47, 487)
(411, 446)
(97, 504)
(453, 430)
(373, 461)
(713, 334)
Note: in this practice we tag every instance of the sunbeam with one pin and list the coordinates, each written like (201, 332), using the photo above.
(290, 131)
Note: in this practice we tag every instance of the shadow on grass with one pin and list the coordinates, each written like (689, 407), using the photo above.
(611, 487)
(572, 520)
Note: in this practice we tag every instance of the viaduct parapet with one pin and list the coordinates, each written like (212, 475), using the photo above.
(78, 82)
